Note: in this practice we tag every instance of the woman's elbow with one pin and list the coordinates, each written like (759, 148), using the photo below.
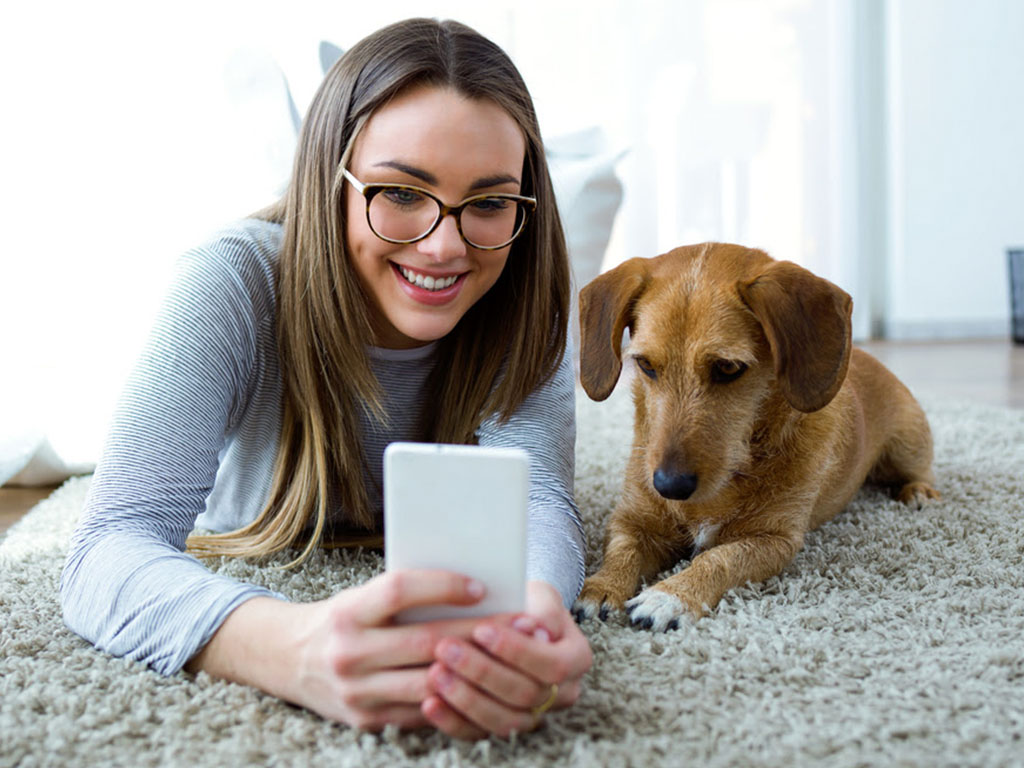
(75, 593)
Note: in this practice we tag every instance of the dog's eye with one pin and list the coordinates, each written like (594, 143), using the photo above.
(644, 365)
(724, 371)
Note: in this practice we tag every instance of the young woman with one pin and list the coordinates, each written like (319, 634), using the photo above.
(412, 284)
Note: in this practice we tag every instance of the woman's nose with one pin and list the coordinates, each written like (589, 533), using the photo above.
(445, 242)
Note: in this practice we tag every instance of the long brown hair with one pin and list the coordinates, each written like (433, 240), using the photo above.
(503, 348)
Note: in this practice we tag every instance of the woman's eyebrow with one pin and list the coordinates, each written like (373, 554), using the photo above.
(429, 178)
(493, 181)
(419, 173)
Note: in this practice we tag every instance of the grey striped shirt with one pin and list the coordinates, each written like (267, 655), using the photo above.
(193, 444)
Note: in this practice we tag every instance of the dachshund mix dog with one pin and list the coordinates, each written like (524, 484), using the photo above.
(755, 422)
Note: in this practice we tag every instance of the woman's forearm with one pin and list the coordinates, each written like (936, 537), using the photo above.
(259, 644)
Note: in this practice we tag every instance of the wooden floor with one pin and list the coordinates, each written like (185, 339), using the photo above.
(15, 502)
(989, 372)
(983, 371)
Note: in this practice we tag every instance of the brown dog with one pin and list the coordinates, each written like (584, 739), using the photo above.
(755, 422)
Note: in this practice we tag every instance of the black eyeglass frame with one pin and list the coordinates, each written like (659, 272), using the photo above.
(372, 189)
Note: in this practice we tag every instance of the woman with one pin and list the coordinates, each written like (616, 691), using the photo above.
(412, 284)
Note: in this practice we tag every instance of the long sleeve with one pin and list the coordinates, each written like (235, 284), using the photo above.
(127, 586)
(545, 426)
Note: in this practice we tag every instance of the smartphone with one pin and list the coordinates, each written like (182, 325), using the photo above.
(459, 508)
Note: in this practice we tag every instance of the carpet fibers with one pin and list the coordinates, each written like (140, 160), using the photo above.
(896, 637)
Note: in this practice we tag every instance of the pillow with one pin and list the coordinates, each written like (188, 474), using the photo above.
(29, 457)
(16, 450)
(266, 123)
(589, 194)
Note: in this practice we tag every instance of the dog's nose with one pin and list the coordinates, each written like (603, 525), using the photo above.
(674, 486)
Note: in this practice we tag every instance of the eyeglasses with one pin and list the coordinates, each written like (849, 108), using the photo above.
(402, 214)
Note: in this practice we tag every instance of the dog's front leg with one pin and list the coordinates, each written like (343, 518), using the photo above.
(633, 550)
(697, 589)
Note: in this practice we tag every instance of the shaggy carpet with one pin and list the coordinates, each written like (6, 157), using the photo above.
(896, 637)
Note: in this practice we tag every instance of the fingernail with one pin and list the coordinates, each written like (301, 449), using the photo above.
(524, 624)
(486, 635)
(451, 654)
(475, 588)
(445, 680)
(542, 635)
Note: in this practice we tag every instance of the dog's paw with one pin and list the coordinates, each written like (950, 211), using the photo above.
(917, 494)
(596, 599)
(658, 610)
(584, 609)
(588, 609)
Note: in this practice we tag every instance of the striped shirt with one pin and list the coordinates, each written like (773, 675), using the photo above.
(193, 443)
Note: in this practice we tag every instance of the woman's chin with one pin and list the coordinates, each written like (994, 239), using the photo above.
(409, 335)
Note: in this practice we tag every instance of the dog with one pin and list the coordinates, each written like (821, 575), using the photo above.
(755, 422)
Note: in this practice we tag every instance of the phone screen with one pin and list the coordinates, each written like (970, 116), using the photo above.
(459, 508)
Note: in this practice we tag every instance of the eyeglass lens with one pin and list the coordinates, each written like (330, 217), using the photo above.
(405, 214)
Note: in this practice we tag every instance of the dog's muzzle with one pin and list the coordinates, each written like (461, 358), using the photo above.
(674, 486)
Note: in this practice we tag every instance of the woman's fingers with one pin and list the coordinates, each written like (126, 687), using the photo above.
(387, 688)
(448, 721)
(510, 685)
(514, 665)
(491, 676)
(476, 707)
(544, 606)
(546, 662)
(405, 716)
(400, 646)
(377, 601)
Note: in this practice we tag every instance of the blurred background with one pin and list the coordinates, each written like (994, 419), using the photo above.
(880, 143)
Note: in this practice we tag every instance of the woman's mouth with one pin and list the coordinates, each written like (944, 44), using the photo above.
(427, 282)
(430, 290)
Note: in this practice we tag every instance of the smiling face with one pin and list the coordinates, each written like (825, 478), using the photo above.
(453, 146)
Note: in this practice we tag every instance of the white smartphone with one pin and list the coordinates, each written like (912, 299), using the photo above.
(459, 508)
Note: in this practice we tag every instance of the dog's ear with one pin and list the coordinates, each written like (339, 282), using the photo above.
(606, 309)
(807, 321)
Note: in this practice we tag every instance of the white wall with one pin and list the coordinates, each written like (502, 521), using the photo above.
(955, 164)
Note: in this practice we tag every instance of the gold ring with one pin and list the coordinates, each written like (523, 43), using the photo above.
(538, 711)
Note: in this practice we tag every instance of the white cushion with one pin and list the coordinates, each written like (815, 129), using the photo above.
(589, 194)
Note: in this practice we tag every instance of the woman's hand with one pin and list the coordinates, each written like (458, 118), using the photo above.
(495, 682)
(342, 657)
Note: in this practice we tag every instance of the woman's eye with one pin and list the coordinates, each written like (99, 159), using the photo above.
(403, 196)
(490, 205)
(645, 366)
(724, 371)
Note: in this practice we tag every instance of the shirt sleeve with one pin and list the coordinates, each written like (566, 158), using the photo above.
(127, 585)
(545, 427)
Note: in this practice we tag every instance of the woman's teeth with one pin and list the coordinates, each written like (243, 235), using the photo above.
(426, 281)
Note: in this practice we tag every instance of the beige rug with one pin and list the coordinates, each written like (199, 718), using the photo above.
(895, 638)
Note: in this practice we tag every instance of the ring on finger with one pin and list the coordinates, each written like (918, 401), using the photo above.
(548, 702)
